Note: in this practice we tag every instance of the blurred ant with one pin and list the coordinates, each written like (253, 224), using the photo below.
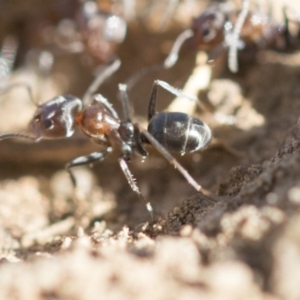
(222, 26)
(93, 31)
(167, 131)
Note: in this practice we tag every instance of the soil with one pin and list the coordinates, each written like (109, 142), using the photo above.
(241, 240)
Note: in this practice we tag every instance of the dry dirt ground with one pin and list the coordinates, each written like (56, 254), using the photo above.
(242, 241)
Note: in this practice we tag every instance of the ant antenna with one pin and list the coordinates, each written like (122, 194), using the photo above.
(100, 78)
(18, 135)
(234, 37)
(172, 58)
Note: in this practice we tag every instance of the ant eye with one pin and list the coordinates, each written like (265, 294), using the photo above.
(48, 123)
(208, 34)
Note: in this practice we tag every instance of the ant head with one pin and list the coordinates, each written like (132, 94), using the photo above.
(56, 118)
(209, 28)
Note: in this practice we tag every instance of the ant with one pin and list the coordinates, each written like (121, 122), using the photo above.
(93, 31)
(222, 26)
(167, 131)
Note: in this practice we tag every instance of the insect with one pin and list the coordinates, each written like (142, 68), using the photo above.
(167, 131)
(222, 26)
(93, 31)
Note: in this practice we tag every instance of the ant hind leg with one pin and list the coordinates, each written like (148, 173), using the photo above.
(167, 155)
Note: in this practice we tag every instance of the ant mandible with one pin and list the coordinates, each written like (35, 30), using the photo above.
(167, 131)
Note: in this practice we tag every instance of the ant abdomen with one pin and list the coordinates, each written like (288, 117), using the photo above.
(179, 132)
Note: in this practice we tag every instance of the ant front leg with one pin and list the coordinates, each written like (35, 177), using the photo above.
(128, 118)
(85, 160)
(132, 182)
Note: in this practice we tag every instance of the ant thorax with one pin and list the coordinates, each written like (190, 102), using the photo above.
(96, 121)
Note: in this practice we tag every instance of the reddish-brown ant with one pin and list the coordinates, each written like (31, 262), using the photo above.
(167, 131)
(93, 31)
(222, 26)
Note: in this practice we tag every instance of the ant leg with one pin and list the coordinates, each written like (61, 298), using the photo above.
(133, 185)
(139, 141)
(170, 89)
(84, 160)
(234, 39)
(99, 98)
(167, 155)
(127, 116)
(172, 58)
(108, 71)
(125, 103)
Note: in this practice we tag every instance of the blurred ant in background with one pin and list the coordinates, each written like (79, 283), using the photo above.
(222, 26)
(97, 119)
(64, 27)
(93, 31)
(35, 41)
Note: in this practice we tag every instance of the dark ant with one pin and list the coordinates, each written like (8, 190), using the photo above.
(93, 31)
(167, 131)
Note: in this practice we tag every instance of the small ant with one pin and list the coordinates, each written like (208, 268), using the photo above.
(93, 31)
(167, 131)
